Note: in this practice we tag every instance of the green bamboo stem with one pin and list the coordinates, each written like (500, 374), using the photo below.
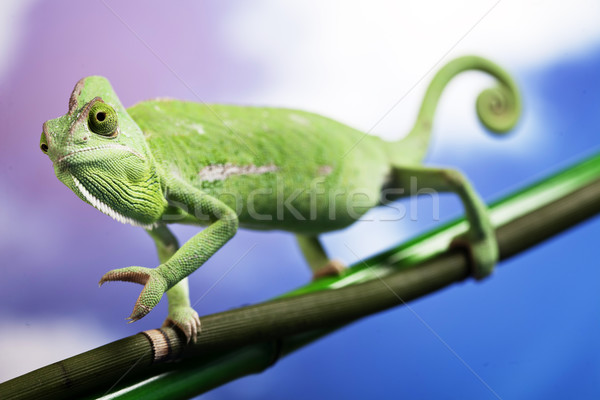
(275, 328)
(524, 219)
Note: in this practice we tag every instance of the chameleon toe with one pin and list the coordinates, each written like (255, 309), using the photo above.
(332, 268)
(482, 254)
(139, 275)
(186, 319)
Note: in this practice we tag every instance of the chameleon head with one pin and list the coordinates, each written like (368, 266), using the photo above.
(100, 153)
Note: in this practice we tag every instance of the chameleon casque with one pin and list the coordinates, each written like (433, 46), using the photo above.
(222, 166)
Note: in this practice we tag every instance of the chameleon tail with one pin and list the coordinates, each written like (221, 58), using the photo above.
(498, 108)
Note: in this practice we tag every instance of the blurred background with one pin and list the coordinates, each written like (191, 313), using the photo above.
(528, 332)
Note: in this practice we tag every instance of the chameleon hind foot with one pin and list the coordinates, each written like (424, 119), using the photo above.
(332, 268)
(154, 287)
(483, 254)
(186, 319)
(320, 265)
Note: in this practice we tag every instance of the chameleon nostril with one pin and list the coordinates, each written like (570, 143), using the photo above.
(44, 147)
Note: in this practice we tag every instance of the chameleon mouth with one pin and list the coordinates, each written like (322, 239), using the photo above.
(101, 147)
(106, 209)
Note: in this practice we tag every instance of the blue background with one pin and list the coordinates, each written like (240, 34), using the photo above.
(528, 332)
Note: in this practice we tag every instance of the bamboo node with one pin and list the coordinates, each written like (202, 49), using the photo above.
(161, 345)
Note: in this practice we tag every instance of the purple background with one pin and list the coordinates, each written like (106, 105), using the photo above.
(529, 332)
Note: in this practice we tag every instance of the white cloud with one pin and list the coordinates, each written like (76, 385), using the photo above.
(12, 14)
(354, 61)
(29, 344)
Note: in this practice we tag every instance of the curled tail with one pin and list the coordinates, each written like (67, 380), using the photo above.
(498, 108)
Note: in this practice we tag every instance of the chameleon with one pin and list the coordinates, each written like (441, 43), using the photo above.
(223, 167)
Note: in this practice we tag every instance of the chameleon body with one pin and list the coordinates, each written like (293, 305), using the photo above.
(167, 161)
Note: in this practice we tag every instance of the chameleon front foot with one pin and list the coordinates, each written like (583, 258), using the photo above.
(154, 287)
(483, 254)
(186, 319)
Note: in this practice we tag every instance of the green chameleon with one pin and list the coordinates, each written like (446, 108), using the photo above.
(221, 166)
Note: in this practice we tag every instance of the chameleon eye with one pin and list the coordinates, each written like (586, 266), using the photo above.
(102, 119)
(44, 143)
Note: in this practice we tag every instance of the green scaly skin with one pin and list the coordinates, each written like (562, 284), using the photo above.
(221, 166)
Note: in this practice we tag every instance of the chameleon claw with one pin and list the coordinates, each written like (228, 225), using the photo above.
(186, 320)
(139, 312)
(154, 287)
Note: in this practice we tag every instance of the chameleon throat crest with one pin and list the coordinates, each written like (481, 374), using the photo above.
(106, 209)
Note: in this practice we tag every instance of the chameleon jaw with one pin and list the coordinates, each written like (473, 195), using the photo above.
(106, 209)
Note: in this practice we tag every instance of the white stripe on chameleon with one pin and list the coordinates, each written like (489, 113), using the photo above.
(299, 119)
(198, 128)
(101, 147)
(195, 126)
(106, 209)
(219, 172)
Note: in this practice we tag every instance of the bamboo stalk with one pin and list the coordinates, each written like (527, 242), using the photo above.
(569, 198)
(280, 326)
